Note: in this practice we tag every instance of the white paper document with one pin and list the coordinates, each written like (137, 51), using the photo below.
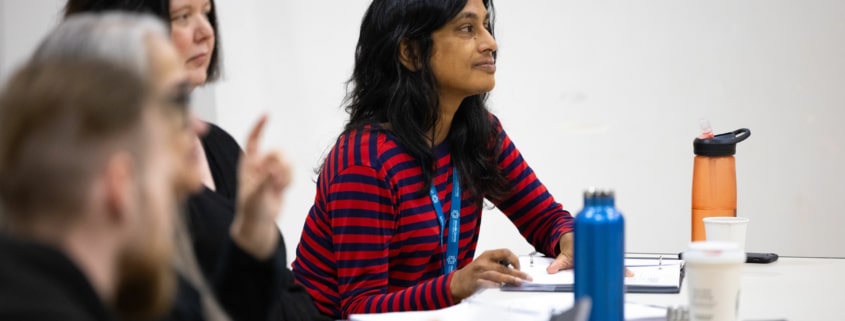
(650, 276)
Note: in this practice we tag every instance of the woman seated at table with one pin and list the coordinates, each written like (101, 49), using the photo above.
(399, 198)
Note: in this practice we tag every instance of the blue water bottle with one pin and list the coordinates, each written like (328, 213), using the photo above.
(600, 256)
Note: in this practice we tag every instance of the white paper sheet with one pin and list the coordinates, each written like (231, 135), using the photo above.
(647, 272)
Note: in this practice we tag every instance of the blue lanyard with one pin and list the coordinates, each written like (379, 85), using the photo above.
(454, 223)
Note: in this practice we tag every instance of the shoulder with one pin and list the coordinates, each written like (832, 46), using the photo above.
(44, 308)
(368, 145)
(369, 150)
(218, 139)
(501, 141)
(39, 283)
(495, 122)
(222, 153)
(498, 135)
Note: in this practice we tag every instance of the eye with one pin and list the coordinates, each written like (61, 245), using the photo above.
(467, 28)
(179, 18)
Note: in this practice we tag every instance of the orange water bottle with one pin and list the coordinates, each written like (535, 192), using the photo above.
(714, 176)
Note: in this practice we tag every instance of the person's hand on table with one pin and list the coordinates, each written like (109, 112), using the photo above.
(564, 260)
(262, 179)
(485, 271)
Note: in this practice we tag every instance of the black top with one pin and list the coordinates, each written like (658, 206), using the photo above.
(210, 213)
(41, 283)
(247, 289)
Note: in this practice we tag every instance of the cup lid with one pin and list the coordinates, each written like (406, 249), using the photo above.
(714, 252)
(726, 219)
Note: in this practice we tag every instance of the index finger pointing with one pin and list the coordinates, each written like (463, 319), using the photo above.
(254, 138)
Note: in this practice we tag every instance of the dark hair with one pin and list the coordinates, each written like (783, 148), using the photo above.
(57, 122)
(384, 91)
(158, 8)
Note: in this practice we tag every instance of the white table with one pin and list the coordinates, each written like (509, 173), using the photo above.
(793, 289)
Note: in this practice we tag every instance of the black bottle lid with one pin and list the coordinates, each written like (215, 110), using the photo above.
(720, 145)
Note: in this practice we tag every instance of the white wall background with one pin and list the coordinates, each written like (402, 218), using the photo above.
(605, 93)
(2, 38)
(22, 25)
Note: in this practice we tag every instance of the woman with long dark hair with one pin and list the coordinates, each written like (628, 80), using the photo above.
(399, 198)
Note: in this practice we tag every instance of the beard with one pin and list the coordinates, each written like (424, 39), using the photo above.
(146, 286)
(147, 282)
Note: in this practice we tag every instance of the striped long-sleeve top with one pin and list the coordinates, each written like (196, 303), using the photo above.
(372, 243)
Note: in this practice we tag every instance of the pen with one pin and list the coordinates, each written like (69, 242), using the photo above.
(505, 263)
(531, 257)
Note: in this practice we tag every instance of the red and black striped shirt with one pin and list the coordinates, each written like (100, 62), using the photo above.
(372, 243)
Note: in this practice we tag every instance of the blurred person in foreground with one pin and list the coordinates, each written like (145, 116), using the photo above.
(89, 188)
(138, 47)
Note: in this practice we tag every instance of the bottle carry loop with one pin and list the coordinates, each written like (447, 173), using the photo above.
(720, 145)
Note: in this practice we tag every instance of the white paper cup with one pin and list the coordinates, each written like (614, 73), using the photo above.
(713, 270)
(727, 229)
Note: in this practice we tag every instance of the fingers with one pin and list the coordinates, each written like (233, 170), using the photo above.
(556, 266)
(499, 255)
(498, 277)
(485, 284)
(487, 270)
(564, 260)
(513, 260)
(494, 270)
(561, 262)
(254, 138)
(270, 168)
(566, 244)
(510, 273)
(278, 169)
(629, 273)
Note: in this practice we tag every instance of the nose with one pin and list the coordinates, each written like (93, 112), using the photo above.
(488, 42)
(204, 30)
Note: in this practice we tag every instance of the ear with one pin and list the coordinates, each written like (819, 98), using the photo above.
(119, 187)
(409, 54)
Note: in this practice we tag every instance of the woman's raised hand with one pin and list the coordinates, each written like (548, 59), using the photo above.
(262, 179)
